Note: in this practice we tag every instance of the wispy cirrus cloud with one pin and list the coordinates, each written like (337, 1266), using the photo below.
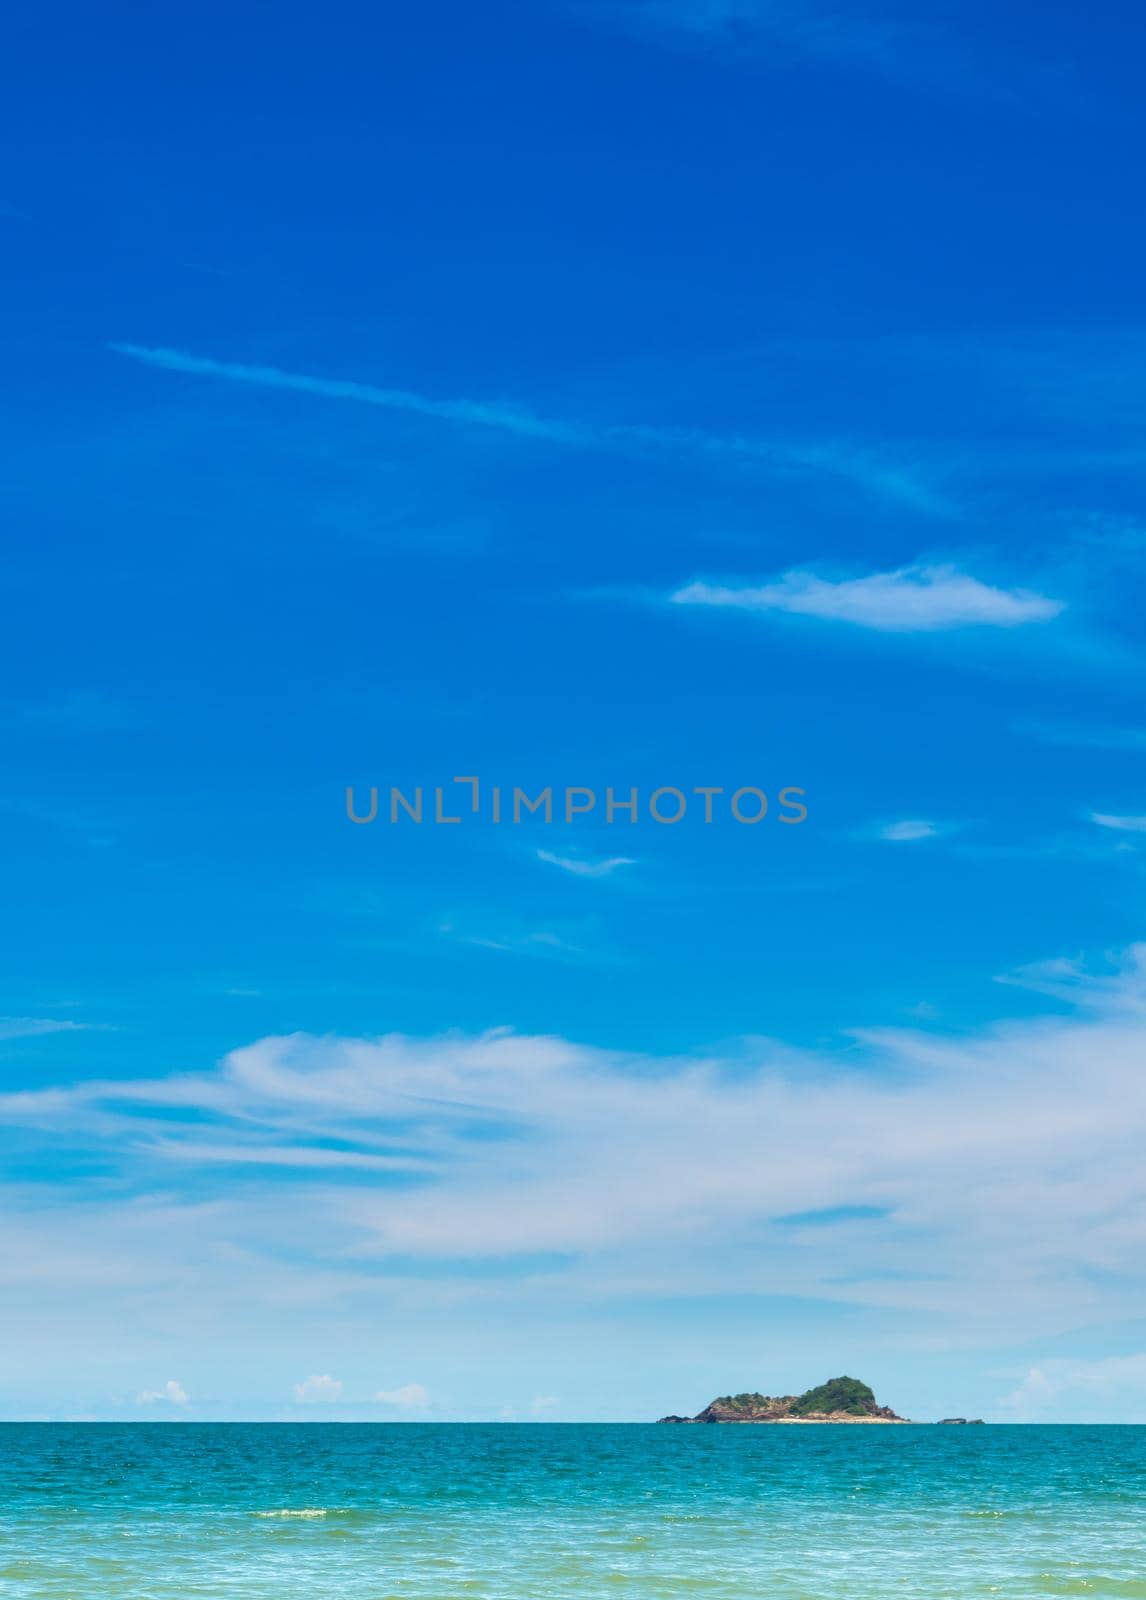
(1122, 824)
(35, 1027)
(913, 599)
(834, 460)
(840, 460)
(483, 413)
(828, 31)
(283, 1155)
(894, 42)
(907, 831)
(86, 711)
(512, 940)
(584, 866)
(830, 1216)
(1068, 979)
(1083, 736)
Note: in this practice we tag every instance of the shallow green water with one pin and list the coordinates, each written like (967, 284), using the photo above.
(641, 1511)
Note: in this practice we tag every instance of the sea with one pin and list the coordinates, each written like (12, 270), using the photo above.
(434, 1512)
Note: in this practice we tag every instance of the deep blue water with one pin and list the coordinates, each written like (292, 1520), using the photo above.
(818, 1513)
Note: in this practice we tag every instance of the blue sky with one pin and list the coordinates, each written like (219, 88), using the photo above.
(691, 393)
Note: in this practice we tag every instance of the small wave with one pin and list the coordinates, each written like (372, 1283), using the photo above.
(305, 1511)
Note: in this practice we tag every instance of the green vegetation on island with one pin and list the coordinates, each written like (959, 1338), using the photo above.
(748, 1403)
(843, 1395)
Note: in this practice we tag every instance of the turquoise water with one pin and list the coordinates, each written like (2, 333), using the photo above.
(155, 1512)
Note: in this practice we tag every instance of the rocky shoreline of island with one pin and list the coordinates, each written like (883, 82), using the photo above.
(839, 1400)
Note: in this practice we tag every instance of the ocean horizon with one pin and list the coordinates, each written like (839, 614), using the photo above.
(433, 1510)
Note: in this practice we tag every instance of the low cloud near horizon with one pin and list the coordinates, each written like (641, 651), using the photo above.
(172, 1393)
(1065, 1390)
(988, 1180)
(318, 1389)
(410, 1397)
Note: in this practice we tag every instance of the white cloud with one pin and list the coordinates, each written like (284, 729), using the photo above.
(172, 1393)
(515, 941)
(1067, 979)
(34, 1027)
(87, 711)
(581, 867)
(318, 1389)
(907, 830)
(296, 1155)
(916, 599)
(834, 461)
(1120, 824)
(543, 1404)
(911, 47)
(1086, 736)
(855, 468)
(718, 16)
(1113, 1387)
(484, 413)
(1005, 1165)
(410, 1397)
(911, 50)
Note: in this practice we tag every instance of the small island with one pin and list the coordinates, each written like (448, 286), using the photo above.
(838, 1400)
